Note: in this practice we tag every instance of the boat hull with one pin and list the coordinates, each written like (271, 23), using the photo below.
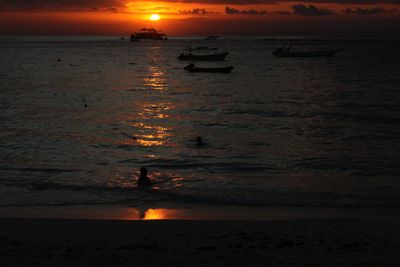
(148, 34)
(135, 39)
(307, 54)
(210, 70)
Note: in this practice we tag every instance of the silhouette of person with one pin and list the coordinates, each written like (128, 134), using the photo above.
(143, 179)
(199, 141)
(190, 66)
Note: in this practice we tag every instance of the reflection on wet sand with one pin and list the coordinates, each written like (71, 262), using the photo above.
(161, 214)
(199, 213)
(99, 212)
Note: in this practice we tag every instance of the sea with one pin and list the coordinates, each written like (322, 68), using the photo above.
(79, 116)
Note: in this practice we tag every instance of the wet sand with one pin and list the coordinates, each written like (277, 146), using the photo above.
(309, 242)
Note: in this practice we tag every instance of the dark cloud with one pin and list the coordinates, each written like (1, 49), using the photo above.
(350, 2)
(233, 11)
(281, 12)
(157, 8)
(197, 11)
(369, 11)
(310, 10)
(100, 5)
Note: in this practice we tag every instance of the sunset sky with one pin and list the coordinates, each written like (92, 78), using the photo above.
(196, 17)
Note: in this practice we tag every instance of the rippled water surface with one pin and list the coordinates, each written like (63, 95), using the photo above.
(279, 131)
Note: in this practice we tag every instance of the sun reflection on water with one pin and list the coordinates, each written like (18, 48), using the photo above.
(152, 122)
(156, 79)
(156, 110)
(152, 135)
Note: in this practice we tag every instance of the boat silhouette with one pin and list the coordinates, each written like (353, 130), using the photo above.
(203, 57)
(148, 34)
(304, 50)
(192, 68)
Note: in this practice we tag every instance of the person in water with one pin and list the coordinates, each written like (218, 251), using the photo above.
(143, 179)
(199, 141)
(190, 66)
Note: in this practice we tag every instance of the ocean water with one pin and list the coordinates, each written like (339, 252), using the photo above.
(319, 132)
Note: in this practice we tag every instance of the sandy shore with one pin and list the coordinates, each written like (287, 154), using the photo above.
(312, 242)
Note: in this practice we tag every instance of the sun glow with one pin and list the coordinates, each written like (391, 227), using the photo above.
(155, 17)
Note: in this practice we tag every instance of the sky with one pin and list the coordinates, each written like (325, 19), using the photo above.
(201, 17)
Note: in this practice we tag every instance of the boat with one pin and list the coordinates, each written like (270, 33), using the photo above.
(192, 68)
(148, 34)
(201, 48)
(304, 50)
(202, 57)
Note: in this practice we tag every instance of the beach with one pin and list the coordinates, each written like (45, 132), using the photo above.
(306, 242)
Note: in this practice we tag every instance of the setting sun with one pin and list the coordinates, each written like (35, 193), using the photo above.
(155, 17)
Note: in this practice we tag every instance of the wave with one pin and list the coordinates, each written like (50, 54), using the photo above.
(28, 169)
(136, 196)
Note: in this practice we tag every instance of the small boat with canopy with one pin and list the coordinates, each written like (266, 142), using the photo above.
(192, 56)
(304, 50)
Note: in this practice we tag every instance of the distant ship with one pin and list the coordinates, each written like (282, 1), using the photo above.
(148, 34)
(212, 37)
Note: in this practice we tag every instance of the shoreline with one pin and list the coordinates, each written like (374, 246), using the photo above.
(181, 211)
